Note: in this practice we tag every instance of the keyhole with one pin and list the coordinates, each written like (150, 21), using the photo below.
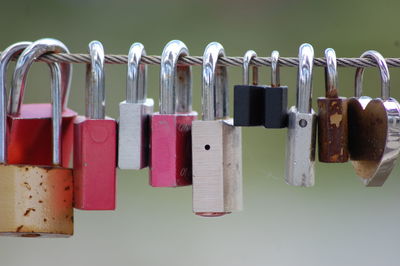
(207, 147)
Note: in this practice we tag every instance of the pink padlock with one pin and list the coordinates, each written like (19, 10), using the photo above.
(171, 151)
(95, 143)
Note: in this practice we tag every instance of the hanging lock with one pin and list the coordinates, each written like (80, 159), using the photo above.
(300, 150)
(374, 128)
(35, 201)
(248, 99)
(275, 98)
(29, 141)
(217, 144)
(134, 113)
(95, 142)
(171, 128)
(332, 117)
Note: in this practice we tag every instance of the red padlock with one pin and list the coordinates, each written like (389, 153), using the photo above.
(30, 125)
(171, 151)
(95, 141)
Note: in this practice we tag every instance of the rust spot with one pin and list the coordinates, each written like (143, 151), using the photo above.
(30, 196)
(45, 190)
(66, 216)
(19, 228)
(41, 183)
(67, 188)
(28, 211)
(65, 200)
(31, 235)
(40, 201)
(72, 218)
(27, 185)
(44, 220)
(26, 169)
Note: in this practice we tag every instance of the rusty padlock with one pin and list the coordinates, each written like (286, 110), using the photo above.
(374, 128)
(35, 201)
(217, 144)
(332, 117)
(29, 141)
(95, 142)
(171, 151)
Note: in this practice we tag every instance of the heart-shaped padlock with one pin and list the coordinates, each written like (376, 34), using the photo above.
(374, 128)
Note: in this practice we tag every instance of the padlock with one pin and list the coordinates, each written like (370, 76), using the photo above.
(35, 201)
(374, 128)
(248, 99)
(332, 117)
(171, 127)
(134, 114)
(275, 98)
(95, 142)
(217, 144)
(29, 141)
(300, 149)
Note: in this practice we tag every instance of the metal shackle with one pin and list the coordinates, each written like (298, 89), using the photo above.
(175, 80)
(136, 82)
(248, 56)
(304, 78)
(215, 91)
(28, 56)
(275, 72)
(5, 58)
(95, 82)
(331, 74)
(384, 72)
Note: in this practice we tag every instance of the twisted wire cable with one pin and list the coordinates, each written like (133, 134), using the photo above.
(226, 61)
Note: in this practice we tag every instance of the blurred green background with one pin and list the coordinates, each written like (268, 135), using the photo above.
(337, 222)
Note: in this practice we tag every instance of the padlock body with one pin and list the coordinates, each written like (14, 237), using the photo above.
(332, 130)
(95, 151)
(217, 168)
(30, 136)
(248, 105)
(300, 149)
(275, 107)
(134, 134)
(171, 150)
(36, 201)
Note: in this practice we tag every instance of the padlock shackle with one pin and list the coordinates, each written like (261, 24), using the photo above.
(275, 71)
(28, 56)
(5, 58)
(215, 91)
(331, 74)
(384, 73)
(95, 83)
(304, 78)
(175, 80)
(136, 81)
(248, 56)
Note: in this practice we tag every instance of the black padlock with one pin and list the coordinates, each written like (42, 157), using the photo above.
(248, 99)
(275, 98)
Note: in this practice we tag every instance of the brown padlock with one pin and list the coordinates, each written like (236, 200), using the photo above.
(332, 117)
(35, 201)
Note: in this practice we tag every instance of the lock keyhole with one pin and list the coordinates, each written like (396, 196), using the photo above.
(207, 147)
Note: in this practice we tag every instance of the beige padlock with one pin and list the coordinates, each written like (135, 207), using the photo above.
(216, 144)
(35, 201)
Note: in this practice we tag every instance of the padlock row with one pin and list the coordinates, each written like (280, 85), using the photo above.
(37, 141)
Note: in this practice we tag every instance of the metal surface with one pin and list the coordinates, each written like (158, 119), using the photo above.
(136, 82)
(300, 149)
(384, 73)
(248, 56)
(374, 152)
(28, 56)
(175, 80)
(5, 58)
(215, 91)
(134, 115)
(304, 78)
(331, 74)
(275, 73)
(95, 82)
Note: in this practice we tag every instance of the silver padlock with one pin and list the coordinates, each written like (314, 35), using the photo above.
(216, 144)
(300, 150)
(134, 114)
